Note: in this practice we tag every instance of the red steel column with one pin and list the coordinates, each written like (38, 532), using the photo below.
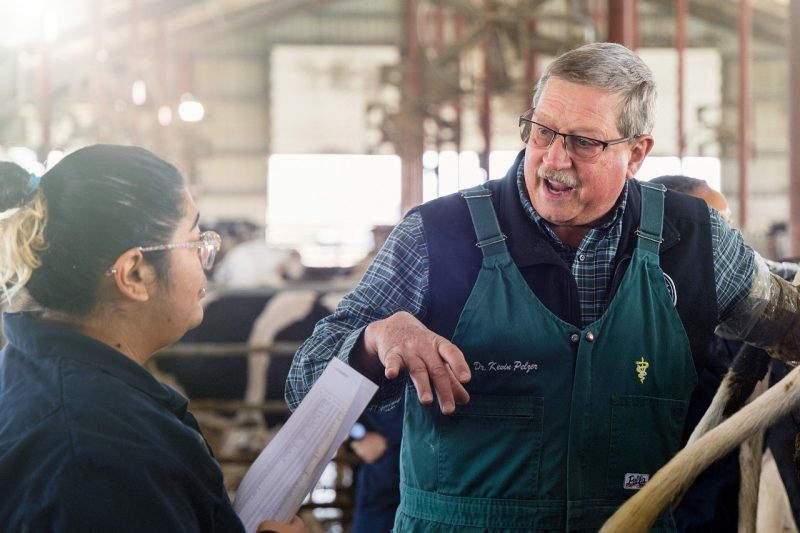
(794, 129)
(622, 23)
(161, 93)
(681, 12)
(412, 140)
(96, 83)
(531, 69)
(458, 31)
(45, 102)
(134, 70)
(486, 98)
(744, 107)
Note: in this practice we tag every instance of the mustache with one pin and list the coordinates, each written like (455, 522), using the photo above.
(564, 177)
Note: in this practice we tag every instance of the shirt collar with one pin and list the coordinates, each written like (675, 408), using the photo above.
(30, 334)
(544, 226)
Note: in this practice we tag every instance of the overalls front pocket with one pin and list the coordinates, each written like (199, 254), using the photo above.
(510, 429)
(645, 433)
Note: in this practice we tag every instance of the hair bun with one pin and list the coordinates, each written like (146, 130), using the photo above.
(15, 185)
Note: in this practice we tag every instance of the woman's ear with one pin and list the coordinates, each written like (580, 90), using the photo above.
(133, 276)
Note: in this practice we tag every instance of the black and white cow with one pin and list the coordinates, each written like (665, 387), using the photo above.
(772, 501)
(255, 318)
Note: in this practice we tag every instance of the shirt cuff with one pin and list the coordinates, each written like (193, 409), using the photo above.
(389, 390)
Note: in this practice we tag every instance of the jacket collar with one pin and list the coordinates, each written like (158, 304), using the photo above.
(29, 334)
(526, 243)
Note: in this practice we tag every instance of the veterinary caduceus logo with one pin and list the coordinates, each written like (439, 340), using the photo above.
(641, 369)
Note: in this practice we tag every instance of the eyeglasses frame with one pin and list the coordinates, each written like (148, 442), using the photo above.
(604, 144)
(207, 238)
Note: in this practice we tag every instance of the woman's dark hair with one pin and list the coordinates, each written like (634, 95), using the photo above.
(88, 209)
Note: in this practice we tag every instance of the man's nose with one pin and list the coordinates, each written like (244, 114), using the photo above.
(556, 155)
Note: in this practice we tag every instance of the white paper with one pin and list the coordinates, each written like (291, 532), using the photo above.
(291, 464)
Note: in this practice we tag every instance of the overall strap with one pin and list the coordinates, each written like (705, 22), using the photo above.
(652, 217)
(491, 240)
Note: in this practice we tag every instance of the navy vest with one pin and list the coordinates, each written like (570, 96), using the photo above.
(686, 257)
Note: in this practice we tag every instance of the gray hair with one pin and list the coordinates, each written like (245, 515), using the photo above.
(613, 68)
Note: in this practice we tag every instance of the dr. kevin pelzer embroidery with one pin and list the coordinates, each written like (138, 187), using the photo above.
(515, 366)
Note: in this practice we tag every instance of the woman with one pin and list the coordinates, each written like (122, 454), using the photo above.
(107, 243)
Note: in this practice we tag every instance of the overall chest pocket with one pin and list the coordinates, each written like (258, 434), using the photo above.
(490, 448)
(645, 434)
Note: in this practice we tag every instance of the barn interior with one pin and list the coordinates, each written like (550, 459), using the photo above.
(306, 129)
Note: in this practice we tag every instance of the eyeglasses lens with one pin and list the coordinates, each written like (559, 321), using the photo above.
(208, 252)
(541, 137)
(524, 130)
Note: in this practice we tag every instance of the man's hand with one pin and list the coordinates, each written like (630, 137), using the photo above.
(402, 342)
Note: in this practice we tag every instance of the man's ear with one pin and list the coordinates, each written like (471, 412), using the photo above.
(133, 276)
(641, 147)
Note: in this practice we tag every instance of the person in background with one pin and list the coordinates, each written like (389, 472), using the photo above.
(376, 439)
(254, 263)
(716, 200)
(549, 325)
(699, 189)
(107, 244)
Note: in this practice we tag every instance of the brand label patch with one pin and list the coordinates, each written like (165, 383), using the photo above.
(635, 481)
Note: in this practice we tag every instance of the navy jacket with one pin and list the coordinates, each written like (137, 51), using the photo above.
(91, 441)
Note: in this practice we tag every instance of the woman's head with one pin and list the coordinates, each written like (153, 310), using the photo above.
(60, 237)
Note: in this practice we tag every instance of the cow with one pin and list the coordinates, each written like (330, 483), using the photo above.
(723, 429)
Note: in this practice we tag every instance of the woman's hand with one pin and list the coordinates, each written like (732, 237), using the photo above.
(295, 526)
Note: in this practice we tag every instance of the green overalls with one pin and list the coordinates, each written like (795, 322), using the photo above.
(563, 423)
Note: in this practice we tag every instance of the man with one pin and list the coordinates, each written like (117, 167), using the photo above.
(554, 311)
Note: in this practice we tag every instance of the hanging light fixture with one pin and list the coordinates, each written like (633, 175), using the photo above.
(139, 92)
(165, 115)
(190, 110)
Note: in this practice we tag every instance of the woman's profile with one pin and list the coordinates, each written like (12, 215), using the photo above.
(107, 244)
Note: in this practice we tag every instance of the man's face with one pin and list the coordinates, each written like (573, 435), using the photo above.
(570, 192)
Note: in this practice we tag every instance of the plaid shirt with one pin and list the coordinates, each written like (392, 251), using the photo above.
(397, 280)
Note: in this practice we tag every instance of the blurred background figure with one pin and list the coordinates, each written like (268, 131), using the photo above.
(379, 235)
(699, 189)
(250, 261)
(376, 441)
(716, 200)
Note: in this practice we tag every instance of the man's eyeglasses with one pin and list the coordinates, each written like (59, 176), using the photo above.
(207, 247)
(577, 146)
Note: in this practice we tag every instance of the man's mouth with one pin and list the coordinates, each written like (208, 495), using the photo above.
(556, 187)
(557, 182)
